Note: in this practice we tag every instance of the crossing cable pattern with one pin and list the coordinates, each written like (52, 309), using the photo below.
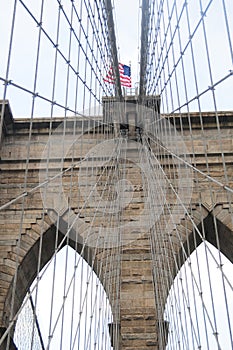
(59, 71)
(85, 26)
(185, 67)
(93, 173)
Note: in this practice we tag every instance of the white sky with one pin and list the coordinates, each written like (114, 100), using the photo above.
(24, 47)
(127, 17)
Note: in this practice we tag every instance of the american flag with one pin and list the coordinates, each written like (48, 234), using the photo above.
(125, 75)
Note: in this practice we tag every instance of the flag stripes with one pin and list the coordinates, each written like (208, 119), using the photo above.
(125, 75)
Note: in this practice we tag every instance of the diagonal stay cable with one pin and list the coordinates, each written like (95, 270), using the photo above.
(219, 183)
(194, 225)
(12, 322)
(40, 185)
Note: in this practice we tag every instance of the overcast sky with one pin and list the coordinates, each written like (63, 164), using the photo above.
(24, 47)
(127, 24)
(128, 33)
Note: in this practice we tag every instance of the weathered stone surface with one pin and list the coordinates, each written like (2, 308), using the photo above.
(25, 221)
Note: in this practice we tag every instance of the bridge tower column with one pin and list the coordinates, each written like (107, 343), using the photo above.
(138, 317)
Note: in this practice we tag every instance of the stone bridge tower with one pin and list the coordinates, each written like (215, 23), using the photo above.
(27, 227)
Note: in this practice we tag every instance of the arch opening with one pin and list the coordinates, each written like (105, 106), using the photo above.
(68, 307)
(199, 302)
